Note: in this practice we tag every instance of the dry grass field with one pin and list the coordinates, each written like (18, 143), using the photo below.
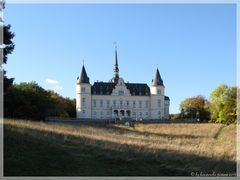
(117, 150)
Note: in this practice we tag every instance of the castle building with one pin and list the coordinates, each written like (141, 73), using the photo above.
(118, 99)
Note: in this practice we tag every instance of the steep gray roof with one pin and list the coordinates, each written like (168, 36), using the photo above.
(167, 98)
(157, 81)
(102, 88)
(83, 76)
(137, 89)
(106, 88)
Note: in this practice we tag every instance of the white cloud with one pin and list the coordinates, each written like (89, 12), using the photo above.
(54, 83)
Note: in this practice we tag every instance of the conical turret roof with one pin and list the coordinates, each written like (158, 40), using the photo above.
(83, 76)
(157, 81)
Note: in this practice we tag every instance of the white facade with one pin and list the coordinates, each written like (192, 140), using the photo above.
(117, 99)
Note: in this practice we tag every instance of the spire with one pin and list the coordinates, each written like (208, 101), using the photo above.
(116, 70)
(157, 81)
(83, 77)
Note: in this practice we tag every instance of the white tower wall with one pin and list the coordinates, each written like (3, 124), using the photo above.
(157, 102)
(83, 100)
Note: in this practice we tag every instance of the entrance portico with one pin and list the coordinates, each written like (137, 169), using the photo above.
(121, 113)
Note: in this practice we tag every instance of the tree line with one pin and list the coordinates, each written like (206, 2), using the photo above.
(29, 100)
(221, 108)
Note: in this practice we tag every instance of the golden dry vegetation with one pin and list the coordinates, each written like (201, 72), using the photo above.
(181, 147)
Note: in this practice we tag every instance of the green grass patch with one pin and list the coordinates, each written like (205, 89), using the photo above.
(216, 136)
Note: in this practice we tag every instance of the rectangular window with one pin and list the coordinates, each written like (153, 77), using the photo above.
(134, 104)
(114, 103)
(121, 103)
(108, 103)
(101, 103)
(83, 101)
(127, 103)
(146, 104)
(121, 93)
(94, 103)
(140, 104)
(159, 103)
(134, 114)
(83, 89)
(159, 91)
(83, 111)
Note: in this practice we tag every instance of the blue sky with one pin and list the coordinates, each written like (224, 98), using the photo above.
(194, 45)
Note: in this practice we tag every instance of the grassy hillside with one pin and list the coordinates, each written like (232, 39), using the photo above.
(41, 149)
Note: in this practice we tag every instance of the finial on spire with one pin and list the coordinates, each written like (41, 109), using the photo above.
(115, 43)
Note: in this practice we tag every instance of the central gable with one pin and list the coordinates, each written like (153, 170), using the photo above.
(121, 89)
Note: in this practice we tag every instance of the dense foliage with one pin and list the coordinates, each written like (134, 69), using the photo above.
(30, 101)
(224, 104)
(176, 116)
(6, 48)
(8, 45)
(195, 107)
(222, 107)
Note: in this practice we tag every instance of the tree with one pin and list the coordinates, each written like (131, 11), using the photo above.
(26, 100)
(8, 47)
(63, 107)
(196, 105)
(30, 101)
(224, 104)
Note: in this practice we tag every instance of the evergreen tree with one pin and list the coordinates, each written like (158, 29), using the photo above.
(7, 48)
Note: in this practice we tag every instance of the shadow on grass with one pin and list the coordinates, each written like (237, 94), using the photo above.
(161, 135)
(123, 130)
(34, 153)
